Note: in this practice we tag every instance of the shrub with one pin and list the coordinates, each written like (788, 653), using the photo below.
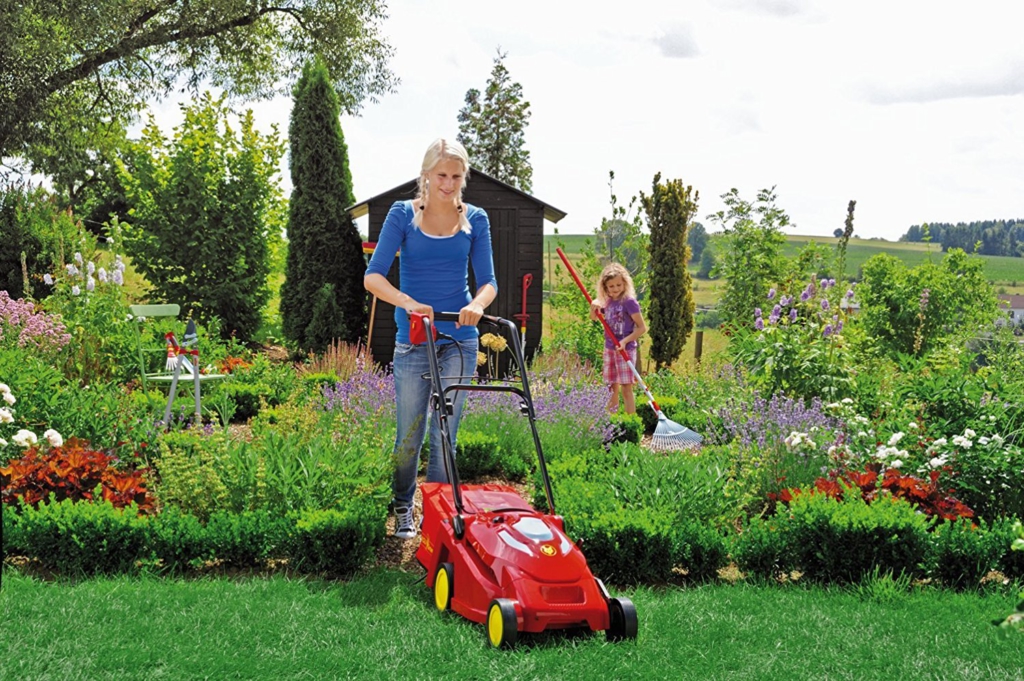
(763, 548)
(248, 398)
(83, 538)
(649, 417)
(963, 552)
(700, 549)
(1011, 563)
(628, 428)
(247, 539)
(626, 548)
(479, 454)
(337, 540)
(188, 472)
(177, 540)
(12, 542)
(845, 540)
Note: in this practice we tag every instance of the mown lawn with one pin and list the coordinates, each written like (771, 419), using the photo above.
(384, 625)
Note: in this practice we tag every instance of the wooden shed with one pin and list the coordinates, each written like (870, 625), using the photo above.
(517, 238)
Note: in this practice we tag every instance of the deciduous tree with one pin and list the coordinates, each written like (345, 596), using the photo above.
(95, 60)
(203, 215)
(750, 259)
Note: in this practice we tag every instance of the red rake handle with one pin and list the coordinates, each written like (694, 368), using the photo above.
(608, 330)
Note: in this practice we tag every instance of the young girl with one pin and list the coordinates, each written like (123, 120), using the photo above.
(616, 298)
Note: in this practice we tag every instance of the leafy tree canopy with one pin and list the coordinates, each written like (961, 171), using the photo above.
(91, 61)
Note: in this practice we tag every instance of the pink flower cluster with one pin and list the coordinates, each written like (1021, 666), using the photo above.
(33, 329)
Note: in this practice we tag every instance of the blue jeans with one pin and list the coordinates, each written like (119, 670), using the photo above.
(412, 401)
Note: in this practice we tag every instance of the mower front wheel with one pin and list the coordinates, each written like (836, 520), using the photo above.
(501, 623)
(623, 620)
(443, 581)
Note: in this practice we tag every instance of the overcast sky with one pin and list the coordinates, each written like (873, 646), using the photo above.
(914, 108)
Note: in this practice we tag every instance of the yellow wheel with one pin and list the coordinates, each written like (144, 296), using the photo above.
(501, 623)
(443, 587)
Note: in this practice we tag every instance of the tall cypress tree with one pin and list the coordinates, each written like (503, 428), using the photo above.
(670, 209)
(324, 246)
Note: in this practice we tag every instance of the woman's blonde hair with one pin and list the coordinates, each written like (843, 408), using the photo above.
(610, 271)
(441, 150)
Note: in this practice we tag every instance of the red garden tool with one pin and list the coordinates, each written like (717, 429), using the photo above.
(522, 316)
(668, 435)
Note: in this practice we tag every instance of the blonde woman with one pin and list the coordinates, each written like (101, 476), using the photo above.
(439, 237)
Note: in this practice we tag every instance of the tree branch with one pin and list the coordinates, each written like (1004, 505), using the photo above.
(165, 35)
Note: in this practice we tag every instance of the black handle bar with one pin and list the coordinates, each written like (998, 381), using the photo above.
(454, 317)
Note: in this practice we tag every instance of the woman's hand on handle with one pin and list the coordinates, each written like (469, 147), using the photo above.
(412, 306)
(470, 315)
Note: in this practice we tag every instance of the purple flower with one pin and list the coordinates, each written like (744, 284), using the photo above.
(792, 315)
(90, 284)
(102, 276)
(72, 270)
(849, 293)
(771, 293)
(805, 296)
(78, 257)
(118, 277)
(90, 267)
(824, 304)
(785, 301)
(757, 312)
(827, 332)
(839, 326)
(773, 319)
(777, 310)
(759, 324)
(47, 279)
(75, 290)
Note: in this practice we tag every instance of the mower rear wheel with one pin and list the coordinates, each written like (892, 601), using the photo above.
(623, 620)
(501, 623)
(443, 581)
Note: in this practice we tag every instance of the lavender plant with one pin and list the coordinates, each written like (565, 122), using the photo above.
(775, 443)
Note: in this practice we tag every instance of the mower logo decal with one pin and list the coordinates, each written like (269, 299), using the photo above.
(548, 549)
(425, 543)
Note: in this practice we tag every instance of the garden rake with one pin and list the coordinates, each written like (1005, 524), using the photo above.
(668, 435)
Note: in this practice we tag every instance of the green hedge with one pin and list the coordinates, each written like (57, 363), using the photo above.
(963, 552)
(88, 538)
(831, 540)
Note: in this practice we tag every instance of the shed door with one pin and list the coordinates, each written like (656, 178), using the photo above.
(505, 242)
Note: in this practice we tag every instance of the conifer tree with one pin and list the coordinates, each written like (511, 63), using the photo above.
(324, 246)
(670, 209)
(492, 128)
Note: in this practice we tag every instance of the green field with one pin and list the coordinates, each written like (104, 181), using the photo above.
(1000, 270)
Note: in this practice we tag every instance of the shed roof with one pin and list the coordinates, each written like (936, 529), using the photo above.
(551, 213)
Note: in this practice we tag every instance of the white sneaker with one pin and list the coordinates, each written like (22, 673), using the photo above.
(405, 523)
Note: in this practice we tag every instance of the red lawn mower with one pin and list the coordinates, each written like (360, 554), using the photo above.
(492, 558)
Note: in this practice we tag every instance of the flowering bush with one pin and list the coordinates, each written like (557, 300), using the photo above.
(798, 347)
(90, 301)
(24, 326)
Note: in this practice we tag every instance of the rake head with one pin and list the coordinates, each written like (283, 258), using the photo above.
(669, 436)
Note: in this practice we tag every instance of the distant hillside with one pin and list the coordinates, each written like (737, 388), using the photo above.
(998, 269)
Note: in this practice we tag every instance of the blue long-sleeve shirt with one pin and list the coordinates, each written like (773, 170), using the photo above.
(434, 270)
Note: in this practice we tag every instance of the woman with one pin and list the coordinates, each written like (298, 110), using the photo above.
(439, 236)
